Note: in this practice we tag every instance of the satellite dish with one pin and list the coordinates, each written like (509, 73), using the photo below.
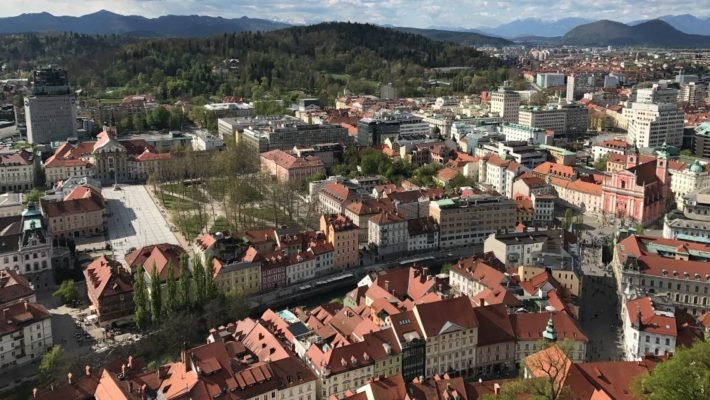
(550, 309)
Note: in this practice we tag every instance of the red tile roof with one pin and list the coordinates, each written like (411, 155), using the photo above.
(529, 326)
(438, 317)
(651, 320)
(106, 277)
(15, 317)
(550, 168)
(13, 286)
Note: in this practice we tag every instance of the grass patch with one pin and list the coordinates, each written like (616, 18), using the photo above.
(171, 202)
(221, 225)
(191, 225)
(192, 192)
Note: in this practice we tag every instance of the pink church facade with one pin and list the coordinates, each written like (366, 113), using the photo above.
(640, 192)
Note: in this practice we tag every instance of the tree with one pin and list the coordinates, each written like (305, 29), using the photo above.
(211, 289)
(140, 299)
(171, 295)
(67, 292)
(685, 376)
(318, 176)
(156, 297)
(446, 268)
(33, 196)
(138, 123)
(600, 163)
(198, 276)
(567, 221)
(686, 152)
(539, 98)
(185, 284)
(51, 366)
(547, 371)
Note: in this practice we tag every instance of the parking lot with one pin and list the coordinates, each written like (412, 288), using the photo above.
(134, 220)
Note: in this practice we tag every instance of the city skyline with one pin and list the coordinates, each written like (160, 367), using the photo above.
(459, 14)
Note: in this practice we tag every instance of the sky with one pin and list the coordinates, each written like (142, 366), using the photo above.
(415, 13)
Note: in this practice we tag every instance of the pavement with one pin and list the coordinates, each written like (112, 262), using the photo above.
(293, 291)
(134, 220)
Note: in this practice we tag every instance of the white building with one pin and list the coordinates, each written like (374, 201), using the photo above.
(388, 232)
(654, 118)
(450, 330)
(695, 177)
(603, 149)
(25, 334)
(423, 234)
(205, 141)
(506, 103)
(550, 79)
(694, 94)
(11, 204)
(515, 132)
(17, 171)
(647, 330)
(27, 245)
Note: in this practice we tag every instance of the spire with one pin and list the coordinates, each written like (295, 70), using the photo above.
(549, 334)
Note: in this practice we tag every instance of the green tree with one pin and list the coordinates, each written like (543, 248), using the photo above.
(318, 176)
(51, 366)
(156, 296)
(446, 268)
(67, 292)
(686, 152)
(198, 277)
(600, 163)
(33, 196)
(211, 289)
(685, 376)
(184, 284)
(140, 299)
(171, 292)
(639, 228)
(567, 220)
(158, 118)
(138, 123)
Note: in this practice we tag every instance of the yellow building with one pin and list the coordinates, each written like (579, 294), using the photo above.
(566, 278)
(243, 276)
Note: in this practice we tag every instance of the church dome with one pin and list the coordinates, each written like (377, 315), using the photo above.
(696, 167)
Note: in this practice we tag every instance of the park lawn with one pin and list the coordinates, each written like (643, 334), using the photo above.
(191, 192)
(171, 202)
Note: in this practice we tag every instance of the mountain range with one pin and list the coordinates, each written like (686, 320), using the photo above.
(468, 38)
(556, 28)
(105, 22)
(654, 33)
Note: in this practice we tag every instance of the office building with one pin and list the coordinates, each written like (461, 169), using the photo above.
(469, 220)
(550, 80)
(374, 131)
(580, 83)
(506, 102)
(702, 140)
(516, 132)
(568, 119)
(388, 92)
(50, 110)
(693, 94)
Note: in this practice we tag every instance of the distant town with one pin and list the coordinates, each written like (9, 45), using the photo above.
(545, 238)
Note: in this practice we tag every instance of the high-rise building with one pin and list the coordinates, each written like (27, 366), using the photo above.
(49, 110)
(693, 94)
(506, 102)
(580, 83)
(654, 117)
(388, 92)
(550, 79)
(566, 119)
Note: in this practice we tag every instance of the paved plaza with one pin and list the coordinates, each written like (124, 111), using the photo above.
(134, 220)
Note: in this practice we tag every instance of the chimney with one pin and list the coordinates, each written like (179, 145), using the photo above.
(130, 386)
(87, 370)
(130, 362)
(69, 377)
(496, 389)
(387, 286)
(143, 391)
(34, 393)
(123, 369)
(26, 305)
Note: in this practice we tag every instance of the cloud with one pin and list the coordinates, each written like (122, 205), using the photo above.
(417, 13)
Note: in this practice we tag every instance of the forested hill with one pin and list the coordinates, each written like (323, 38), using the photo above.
(319, 59)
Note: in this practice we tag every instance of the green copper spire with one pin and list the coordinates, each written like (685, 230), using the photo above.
(549, 333)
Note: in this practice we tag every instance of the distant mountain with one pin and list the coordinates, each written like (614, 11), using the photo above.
(655, 33)
(106, 22)
(465, 38)
(685, 23)
(535, 27)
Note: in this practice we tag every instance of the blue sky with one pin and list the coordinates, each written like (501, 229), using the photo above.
(416, 13)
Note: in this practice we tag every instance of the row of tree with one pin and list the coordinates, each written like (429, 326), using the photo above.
(191, 290)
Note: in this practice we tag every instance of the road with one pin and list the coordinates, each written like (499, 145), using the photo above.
(287, 294)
